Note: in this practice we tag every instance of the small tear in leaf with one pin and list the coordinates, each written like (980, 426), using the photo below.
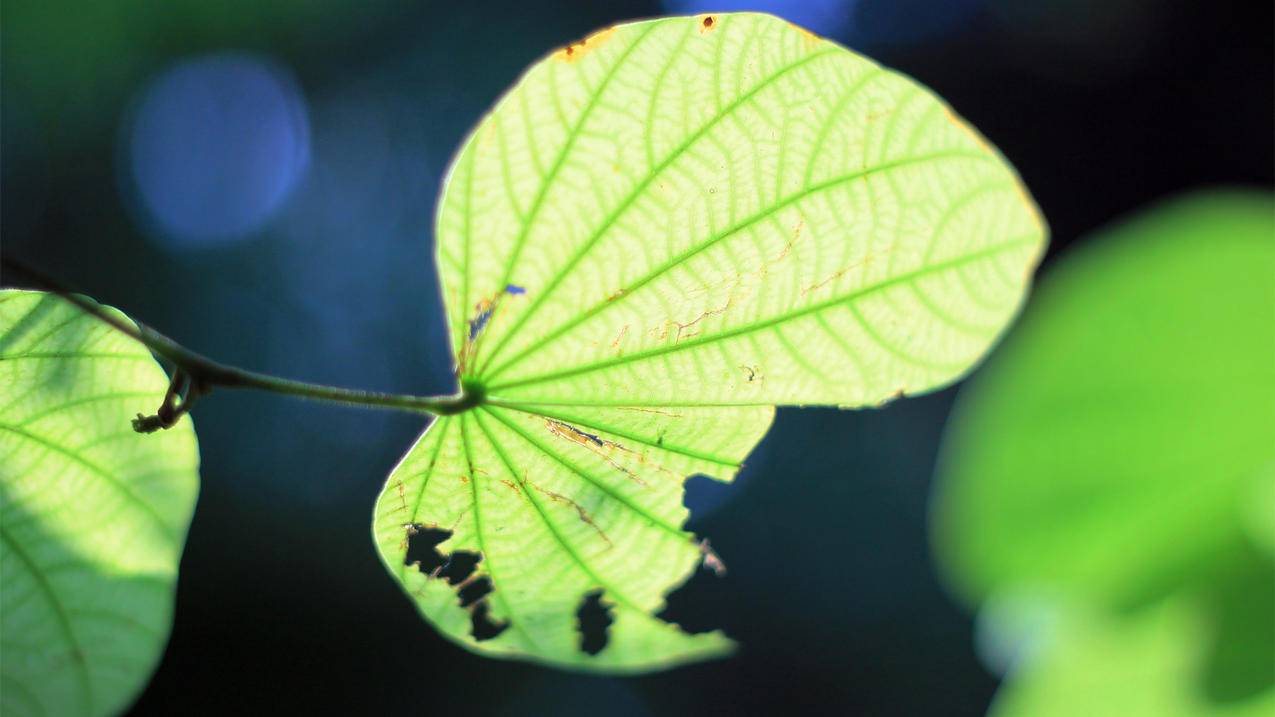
(572, 433)
(594, 619)
(596, 444)
(422, 548)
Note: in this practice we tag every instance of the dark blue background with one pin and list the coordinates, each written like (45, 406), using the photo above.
(258, 181)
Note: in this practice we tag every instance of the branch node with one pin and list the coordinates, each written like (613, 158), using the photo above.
(179, 399)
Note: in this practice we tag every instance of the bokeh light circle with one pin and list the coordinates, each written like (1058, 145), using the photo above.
(215, 145)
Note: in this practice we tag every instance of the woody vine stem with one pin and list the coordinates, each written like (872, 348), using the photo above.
(195, 375)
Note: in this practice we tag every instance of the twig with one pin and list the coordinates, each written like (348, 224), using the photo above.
(195, 375)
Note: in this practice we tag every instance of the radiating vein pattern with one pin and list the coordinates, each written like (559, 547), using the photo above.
(92, 515)
(557, 508)
(657, 235)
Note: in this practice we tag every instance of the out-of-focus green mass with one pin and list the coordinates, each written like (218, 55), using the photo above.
(93, 516)
(69, 60)
(1111, 473)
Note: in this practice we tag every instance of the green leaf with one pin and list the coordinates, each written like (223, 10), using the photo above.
(1117, 459)
(660, 233)
(1121, 438)
(92, 515)
(1142, 665)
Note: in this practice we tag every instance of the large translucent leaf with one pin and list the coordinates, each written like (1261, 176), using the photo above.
(660, 233)
(92, 515)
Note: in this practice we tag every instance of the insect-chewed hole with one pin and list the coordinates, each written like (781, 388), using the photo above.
(484, 628)
(459, 566)
(422, 548)
(422, 552)
(594, 618)
(474, 591)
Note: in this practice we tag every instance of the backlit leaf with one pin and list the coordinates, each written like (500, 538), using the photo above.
(660, 233)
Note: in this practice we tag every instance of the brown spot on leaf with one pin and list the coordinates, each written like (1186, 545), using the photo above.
(615, 344)
(598, 445)
(810, 38)
(579, 49)
(585, 517)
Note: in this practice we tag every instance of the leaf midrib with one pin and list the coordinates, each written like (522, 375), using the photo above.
(632, 197)
(547, 182)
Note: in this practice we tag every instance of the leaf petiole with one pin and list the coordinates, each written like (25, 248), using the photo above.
(195, 375)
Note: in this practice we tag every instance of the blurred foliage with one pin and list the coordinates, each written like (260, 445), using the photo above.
(72, 59)
(1110, 463)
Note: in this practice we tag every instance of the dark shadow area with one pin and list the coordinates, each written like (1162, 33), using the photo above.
(693, 605)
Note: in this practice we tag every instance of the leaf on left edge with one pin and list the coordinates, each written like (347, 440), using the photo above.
(93, 516)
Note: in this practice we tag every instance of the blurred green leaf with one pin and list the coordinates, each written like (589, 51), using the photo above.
(1116, 442)
(92, 515)
(660, 233)
(1141, 665)
(1114, 461)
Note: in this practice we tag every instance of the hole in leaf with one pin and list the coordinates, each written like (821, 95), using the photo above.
(423, 552)
(593, 619)
(474, 591)
(459, 566)
(484, 628)
(422, 548)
